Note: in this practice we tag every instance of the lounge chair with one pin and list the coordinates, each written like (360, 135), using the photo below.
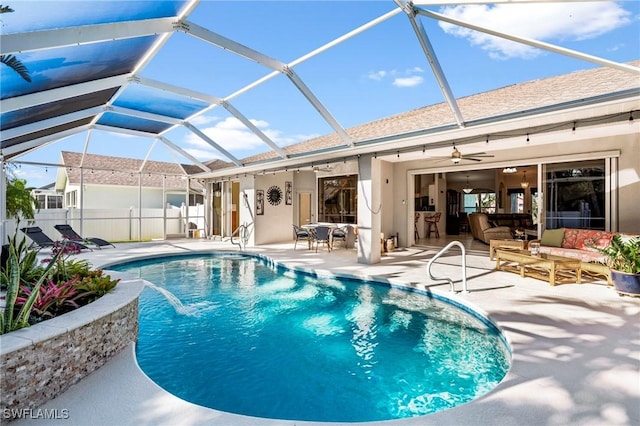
(42, 240)
(68, 233)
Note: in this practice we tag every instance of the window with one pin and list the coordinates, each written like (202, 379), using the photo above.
(337, 199)
(483, 201)
(72, 198)
(575, 195)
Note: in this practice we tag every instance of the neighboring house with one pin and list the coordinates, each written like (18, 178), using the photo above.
(116, 182)
(47, 197)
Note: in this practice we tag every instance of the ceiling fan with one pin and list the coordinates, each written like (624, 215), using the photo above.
(325, 168)
(457, 156)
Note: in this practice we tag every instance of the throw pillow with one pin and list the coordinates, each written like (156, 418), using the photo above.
(592, 239)
(552, 237)
(569, 240)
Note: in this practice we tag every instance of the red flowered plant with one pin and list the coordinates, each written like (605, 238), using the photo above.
(53, 299)
(69, 284)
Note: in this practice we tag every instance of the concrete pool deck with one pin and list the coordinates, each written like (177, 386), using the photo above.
(576, 347)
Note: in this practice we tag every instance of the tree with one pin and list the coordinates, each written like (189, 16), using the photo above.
(10, 60)
(20, 202)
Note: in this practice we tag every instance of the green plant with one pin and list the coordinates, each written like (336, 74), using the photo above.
(624, 254)
(29, 266)
(12, 320)
(95, 285)
(20, 202)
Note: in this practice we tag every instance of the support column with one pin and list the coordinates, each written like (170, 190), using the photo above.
(369, 209)
(3, 200)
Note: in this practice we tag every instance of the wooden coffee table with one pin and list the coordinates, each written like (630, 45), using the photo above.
(512, 244)
(554, 269)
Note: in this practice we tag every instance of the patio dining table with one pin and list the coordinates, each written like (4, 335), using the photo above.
(349, 228)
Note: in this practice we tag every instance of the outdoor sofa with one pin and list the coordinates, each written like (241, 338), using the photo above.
(582, 244)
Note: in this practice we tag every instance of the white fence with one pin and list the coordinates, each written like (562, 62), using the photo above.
(119, 224)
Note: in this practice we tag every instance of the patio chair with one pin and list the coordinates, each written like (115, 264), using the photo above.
(321, 234)
(68, 233)
(339, 234)
(432, 224)
(41, 240)
(301, 234)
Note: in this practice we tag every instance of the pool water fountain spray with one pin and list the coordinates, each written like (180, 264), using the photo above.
(173, 300)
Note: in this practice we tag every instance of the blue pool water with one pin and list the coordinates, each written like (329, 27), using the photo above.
(232, 333)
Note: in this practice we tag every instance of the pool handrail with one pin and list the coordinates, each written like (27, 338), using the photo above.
(464, 266)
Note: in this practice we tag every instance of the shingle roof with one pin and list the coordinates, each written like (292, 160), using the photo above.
(108, 170)
(507, 100)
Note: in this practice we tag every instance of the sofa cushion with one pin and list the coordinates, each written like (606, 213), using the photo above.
(569, 240)
(590, 239)
(552, 237)
(582, 255)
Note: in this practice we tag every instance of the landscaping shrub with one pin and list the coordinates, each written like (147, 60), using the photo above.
(39, 291)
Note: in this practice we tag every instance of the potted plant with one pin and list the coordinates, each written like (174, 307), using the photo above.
(624, 261)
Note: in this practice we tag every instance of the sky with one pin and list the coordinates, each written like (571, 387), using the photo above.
(378, 73)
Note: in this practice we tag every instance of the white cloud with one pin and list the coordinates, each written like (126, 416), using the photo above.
(408, 81)
(232, 135)
(549, 22)
(406, 78)
(377, 75)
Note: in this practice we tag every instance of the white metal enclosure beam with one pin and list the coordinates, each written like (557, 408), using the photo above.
(184, 153)
(48, 96)
(143, 114)
(36, 143)
(253, 128)
(297, 81)
(86, 34)
(215, 101)
(253, 55)
(211, 142)
(48, 123)
(418, 28)
(531, 42)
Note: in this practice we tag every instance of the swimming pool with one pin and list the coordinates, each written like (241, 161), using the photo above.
(233, 333)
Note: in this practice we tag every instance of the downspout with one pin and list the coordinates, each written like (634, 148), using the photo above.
(81, 201)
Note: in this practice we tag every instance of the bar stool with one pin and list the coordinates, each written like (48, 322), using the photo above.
(415, 225)
(431, 222)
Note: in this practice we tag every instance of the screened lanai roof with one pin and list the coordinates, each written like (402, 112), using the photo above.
(86, 67)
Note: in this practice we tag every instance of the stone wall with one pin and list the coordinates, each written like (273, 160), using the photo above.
(42, 361)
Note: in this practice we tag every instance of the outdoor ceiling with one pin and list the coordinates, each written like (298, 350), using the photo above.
(90, 58)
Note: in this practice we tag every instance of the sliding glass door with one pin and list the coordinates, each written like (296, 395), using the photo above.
(575, 194)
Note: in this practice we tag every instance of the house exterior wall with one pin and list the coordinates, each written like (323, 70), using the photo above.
(628, 167)
(275, 225)
(105, 196)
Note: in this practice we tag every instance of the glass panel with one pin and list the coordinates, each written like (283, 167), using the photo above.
(148, 99)
(487, 202)
(216, 209)
(35, 16)
(517, 202)
(72, 65)
(338, 198)
(470, 203)
(575, 195)
(132, 123)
